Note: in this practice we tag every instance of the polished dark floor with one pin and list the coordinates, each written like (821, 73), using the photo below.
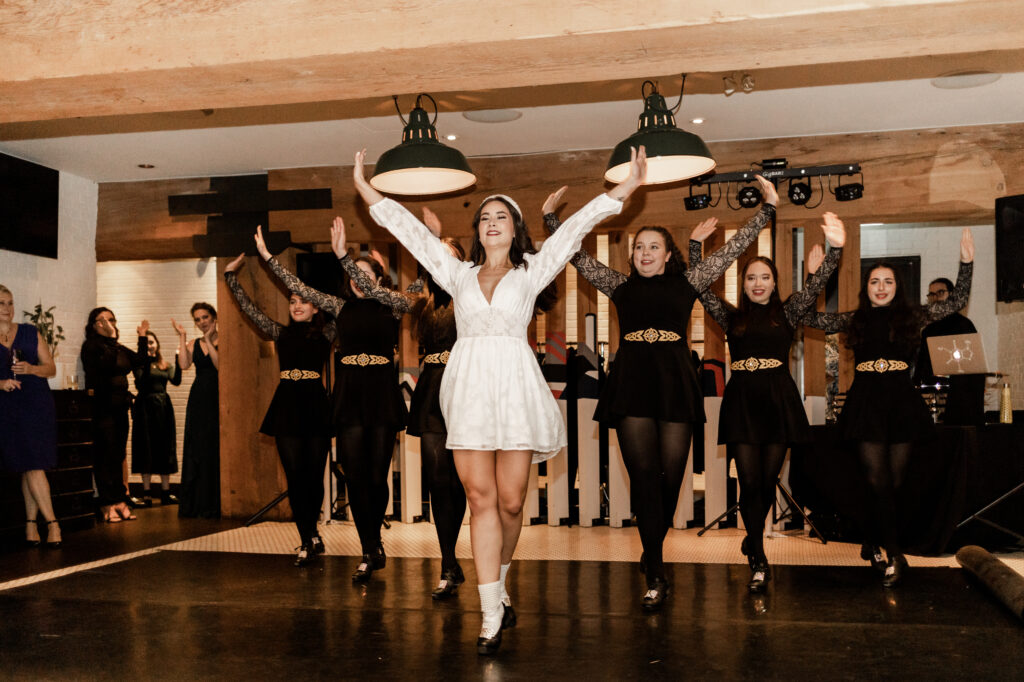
(209, 615)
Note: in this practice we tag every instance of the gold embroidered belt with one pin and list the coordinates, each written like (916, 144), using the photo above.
(436, 358)
(754, 364)
(652, 335)
(297, 374)
(363, 360)
(882, 365)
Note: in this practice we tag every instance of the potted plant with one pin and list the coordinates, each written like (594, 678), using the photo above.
(43, 320)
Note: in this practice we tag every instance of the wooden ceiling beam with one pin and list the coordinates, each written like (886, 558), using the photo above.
(114, 58)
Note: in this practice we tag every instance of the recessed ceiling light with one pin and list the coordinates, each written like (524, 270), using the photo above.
(451, 138)
(958, 80)
(492, 115)
(146, 166)
(698, 121)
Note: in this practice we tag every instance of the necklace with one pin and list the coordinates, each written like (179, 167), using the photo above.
(7, 337)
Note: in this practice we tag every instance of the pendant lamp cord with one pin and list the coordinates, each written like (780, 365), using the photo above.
(644, 94)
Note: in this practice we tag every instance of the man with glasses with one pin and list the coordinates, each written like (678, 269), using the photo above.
(965, 398)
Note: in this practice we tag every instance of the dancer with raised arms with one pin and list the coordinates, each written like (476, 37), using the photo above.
(498, 408)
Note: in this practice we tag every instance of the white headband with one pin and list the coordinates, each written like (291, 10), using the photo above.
(506, 199)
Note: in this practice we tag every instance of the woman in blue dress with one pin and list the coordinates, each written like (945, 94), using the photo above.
(28, 426)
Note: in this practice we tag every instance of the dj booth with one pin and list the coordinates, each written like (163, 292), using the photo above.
(951, 476)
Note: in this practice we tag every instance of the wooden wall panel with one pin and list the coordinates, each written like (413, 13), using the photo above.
(947, 175)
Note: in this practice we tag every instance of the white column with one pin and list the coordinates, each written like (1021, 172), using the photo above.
(588, 435)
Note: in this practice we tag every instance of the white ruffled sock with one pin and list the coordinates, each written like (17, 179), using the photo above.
(505, 599)
(490, 605)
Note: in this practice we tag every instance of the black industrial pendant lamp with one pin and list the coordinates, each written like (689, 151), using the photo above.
(421, 164)
(672, 154)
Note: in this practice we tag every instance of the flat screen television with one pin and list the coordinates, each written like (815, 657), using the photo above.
(29, 198)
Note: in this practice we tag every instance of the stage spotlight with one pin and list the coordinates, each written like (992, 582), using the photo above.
(799, 192)
(698, 201)
(749, 196)
(854, 190)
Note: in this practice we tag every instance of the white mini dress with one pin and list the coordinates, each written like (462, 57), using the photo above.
(493, 394)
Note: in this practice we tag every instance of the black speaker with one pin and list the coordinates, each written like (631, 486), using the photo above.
(1010, 248)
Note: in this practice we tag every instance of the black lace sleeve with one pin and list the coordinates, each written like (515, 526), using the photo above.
(719, 310)
(802, 301)
(830, 323)
(263, 323)
(416, 287)
(715, 265)
(696, 252)
(397, 301)
(602, 277)
(957, 299)
(325, 302)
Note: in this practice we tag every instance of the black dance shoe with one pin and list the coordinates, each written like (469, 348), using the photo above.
(488, 642)
(488, 646)
(508, 619)
(449, 584)
(146, 501)
(32, 528)
(894, 571)
(873, 555)
(380, 559)
(364, 570)
(761, 575)
(135, 502)
(305, 556)
(655, 595)
(168, 498)
(316, 545)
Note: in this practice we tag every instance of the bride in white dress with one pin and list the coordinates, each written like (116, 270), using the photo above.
(498, 408)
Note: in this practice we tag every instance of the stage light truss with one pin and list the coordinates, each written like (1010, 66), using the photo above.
(775, 170)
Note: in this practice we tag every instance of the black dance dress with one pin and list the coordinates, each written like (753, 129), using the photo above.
(882, 405)
(28, 422)
(653, 374)
(300, 406)
(154, 432)
(106, 364)
(366, 388)
(200, 454)
(761, 403)
(437, 333)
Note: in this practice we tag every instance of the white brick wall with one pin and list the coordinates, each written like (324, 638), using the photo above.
(69, 282)
(158, 291)
(939, 249)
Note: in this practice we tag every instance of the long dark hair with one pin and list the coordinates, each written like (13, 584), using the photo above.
(316, 323)
(775, 312)
(90, 325)
(159, 357)
(521, 245)
(675, 265)
(383, 278)
(904, 323)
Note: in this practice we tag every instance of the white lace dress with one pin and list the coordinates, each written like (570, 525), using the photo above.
(493, 395)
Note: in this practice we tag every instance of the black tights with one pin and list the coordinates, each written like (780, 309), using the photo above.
(447, 496)
(303, 459)
(655, 456)
(885, 465)
(758, 466)
(365, 456)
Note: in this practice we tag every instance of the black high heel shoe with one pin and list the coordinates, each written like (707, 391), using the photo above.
(364, 571)
(449, 584)
(655, 595)
(873, 555)
(32, 542)
(487, 644)
(52, 544)
(895, 568)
